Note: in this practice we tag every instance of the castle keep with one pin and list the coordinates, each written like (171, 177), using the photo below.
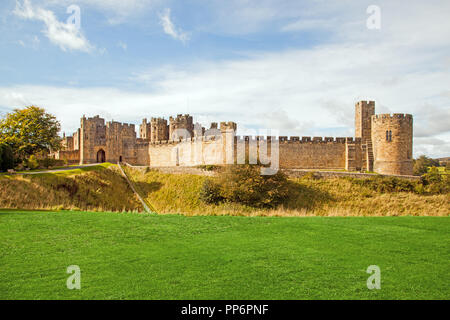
(382, 143)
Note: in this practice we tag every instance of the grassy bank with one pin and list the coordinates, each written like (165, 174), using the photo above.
(178, 193)
(139, 256)
(97, 188)
(102, 188)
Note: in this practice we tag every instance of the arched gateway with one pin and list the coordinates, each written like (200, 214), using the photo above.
(101, 157)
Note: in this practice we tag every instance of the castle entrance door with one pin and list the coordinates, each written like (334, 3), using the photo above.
(101, 156)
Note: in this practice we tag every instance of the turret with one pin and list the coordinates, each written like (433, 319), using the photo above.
(392, 139)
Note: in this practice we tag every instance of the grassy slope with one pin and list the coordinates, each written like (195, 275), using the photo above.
(178, 193)
(96, 188)
(130, 256)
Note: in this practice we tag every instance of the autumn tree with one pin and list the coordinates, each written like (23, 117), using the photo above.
(422, 164)
(30, 131)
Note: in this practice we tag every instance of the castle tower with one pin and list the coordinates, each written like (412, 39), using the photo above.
(184, 122)
(364, 110)
(392, 143)
(92, 140)
(145, 130)
(159, 130)
(228, 130)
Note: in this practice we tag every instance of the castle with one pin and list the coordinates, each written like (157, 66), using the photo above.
(382, 143)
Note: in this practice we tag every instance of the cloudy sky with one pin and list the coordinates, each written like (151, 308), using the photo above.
(296, 66)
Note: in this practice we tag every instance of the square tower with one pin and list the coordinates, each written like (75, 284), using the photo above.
(364, 110)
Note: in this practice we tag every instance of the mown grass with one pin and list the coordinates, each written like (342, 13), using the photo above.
(179, 193)
(95, 188)
(140, 256)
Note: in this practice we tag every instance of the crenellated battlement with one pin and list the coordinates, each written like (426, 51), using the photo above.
(297, 140)
(157, 120)
(230, 125)
(392, 117)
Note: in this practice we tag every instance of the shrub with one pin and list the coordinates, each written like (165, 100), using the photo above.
(431, 183)
(210, 192)
(387, 184)
(6, 157)
(32, 162)
(244, 184)
(436, 183)
(50, 162)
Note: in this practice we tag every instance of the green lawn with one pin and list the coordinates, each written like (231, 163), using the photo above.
(141, 256)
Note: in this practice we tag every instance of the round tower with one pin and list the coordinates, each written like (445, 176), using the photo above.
(392, 139)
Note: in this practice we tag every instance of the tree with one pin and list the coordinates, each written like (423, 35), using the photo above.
(6, 157)
(422, 164)
(30, 131)
(244, 184)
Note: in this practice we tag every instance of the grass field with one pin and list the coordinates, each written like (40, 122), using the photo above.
(141, 256)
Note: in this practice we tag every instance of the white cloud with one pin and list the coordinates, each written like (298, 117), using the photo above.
(170, 29)
(299, 92)
(64, 35)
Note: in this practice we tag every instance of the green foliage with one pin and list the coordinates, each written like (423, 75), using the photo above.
(422, 163)
(50, 162)
(210, 192)
(387, 184)
(436, 183)
(244, 184)
(431, 183)
(6, 157)
(30, 131)
(32, 162)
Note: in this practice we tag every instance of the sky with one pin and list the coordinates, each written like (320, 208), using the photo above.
(294, 66)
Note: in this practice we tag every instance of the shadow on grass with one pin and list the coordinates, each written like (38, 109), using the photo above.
(305, 197)
(145, 188)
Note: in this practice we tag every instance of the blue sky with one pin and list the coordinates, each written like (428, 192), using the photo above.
(295, 66)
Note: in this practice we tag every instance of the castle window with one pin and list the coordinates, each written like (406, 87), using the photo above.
(388, 135)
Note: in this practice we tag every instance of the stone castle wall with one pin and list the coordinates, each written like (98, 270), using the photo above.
(382, 143)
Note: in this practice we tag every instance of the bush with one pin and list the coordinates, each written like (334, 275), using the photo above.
(431, 183)
(6, 157)
(31, 162)
(436, 183)
(388, 184)
(210, 192)
(244, 184)
(50, 162)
